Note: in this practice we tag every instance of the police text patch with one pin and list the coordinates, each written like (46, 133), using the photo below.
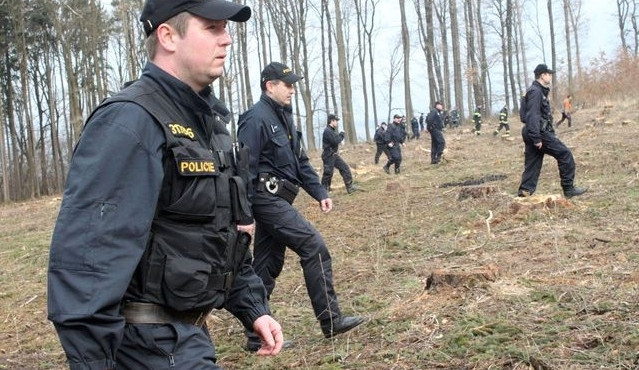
(196, 167)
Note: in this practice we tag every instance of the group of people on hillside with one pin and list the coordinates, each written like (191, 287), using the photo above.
(161, 206)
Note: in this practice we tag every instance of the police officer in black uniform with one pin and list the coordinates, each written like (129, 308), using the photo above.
(539, 139)
(278, 168)
(331, 158)
(148, 241)
(395, 137)
(435, 125)
(380, 142)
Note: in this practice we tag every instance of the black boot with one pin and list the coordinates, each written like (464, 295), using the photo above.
(350, 188)
(386, 169)
(339, 325)
(574, 191)
(397, 171)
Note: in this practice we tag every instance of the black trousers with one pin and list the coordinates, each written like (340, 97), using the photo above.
(395, 156)
(332, 161)
(437, 145)
(534, 159)
(381, 148)
(158, 346)
(279, 225)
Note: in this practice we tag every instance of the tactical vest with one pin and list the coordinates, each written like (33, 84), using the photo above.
(192, 254)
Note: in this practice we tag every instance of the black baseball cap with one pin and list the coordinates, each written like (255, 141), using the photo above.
(397, 116)
(332, 117)
(278, 71)
(542, 68)
(156, 12)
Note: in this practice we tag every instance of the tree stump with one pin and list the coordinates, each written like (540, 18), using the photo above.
(394, 186)
(462, 277)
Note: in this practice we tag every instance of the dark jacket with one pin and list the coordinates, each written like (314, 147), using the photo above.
(331, 140)
(538, 114)
(395, 133)
(380, 136)
(118, 186)
(269, 132)
(434, 120)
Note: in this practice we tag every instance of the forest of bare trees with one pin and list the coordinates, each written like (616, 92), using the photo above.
(60, 58)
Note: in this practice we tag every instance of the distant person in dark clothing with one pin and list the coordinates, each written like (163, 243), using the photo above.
(380, 142)
(421, 122)
(503, 121)
(394, 139)
(414, 126)
(330, 156)
(477, 120)
(566, 111)
(539, 139)
(435, 125)
(454, 118)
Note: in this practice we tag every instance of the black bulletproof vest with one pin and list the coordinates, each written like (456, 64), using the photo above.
(191, 255)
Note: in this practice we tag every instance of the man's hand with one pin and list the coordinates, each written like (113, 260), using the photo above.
(326, 205)
(390, 145)
(539, 145)
(247, 228)
(270, 333)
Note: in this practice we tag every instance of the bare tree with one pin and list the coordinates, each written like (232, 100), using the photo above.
(457, 62)
(474, 72)
(395, 68)
(344, 76)
(511, 52)
(575, 20)
(363, 24)
(427, 40)
(406, 44)
(553, 51)
(440, 8)
(623, 10)
(568, 47)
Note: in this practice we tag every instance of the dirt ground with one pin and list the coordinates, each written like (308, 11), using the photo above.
(562, 292)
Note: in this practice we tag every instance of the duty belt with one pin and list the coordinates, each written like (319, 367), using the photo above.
(276, 186)
(151, 313)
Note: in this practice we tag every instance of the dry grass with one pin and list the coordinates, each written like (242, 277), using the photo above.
(566, 296)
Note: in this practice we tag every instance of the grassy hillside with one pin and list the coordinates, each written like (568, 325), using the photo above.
(564, 294)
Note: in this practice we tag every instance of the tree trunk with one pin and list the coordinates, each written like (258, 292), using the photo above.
(522, 85)
(457, 62)
(553, 51)
(486, 91)
(568, 47)
(442, 16)
(362, 18)
(4, 160)
(511, 53)
(344, 77)
(371, 61)
(575, 17)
